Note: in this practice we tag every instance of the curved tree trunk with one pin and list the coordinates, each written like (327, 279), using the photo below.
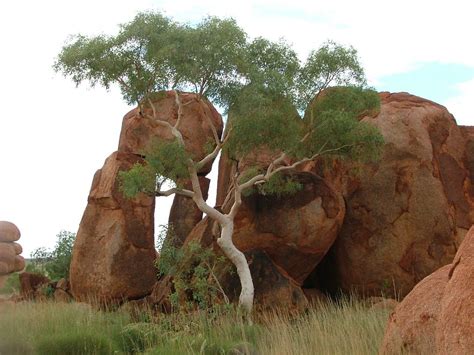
(240, 262)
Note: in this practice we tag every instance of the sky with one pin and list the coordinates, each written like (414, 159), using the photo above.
(54, 136)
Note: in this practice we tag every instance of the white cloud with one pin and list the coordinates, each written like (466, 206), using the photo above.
(461, 106)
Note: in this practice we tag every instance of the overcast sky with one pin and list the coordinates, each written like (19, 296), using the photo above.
(54, 136)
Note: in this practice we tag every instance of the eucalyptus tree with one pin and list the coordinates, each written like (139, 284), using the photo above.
(260, 82)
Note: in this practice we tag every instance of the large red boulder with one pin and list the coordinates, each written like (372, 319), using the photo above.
(195, 126)
(455, 326)
(436, 317)
(411, 327)
(113, 255)
(407, 214)
(295, 231)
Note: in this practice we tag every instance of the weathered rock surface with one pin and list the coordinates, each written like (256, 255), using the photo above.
(114, 251)
(407, 214)
(455, 326)
(295, 231)
(436, 316)
(137, 131)
(184, 214)
(411, 327)
(10, 258)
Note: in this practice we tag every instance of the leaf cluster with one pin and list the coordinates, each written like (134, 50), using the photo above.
(165, 162)
(153, 53)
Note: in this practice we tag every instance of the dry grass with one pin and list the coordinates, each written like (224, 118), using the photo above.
(346, 327)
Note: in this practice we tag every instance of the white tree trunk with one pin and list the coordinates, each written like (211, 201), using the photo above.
(240, 262)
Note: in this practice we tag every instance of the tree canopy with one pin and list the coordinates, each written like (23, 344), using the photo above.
(262, 85)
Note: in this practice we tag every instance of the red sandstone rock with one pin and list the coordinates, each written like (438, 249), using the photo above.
(407, 214)
(295, 231)
(411, 327)
(137, 131)
(455, 326)
(184, 214)
(114, 252)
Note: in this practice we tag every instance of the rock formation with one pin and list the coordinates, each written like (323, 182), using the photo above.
(113, 256)
(137, 132)
(294, 231)
(455, 326)
(411, 327)
(114, 251)
(382, 228)
(10, 258)
(407, 214)
(436, 316)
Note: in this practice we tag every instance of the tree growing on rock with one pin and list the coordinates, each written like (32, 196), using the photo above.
(262, 85)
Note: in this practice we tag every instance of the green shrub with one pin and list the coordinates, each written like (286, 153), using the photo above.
(194, 269)
(55, 263)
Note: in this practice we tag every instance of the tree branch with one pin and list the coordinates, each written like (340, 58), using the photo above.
(175, 190)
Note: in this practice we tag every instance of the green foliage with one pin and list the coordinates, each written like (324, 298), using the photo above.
(165, 162)
(153, 53)
(137, 59)
(272, 66)
(262, 120)
(193, 269)
(330, 65)
(168, 159)
(140, 178)
(334, 127)
(209, 56)
(56, 262)
(261, 83)
(354, 100)
(280, 185)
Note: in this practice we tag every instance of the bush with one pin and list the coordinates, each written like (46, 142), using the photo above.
(55, 263)
(194, 269)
